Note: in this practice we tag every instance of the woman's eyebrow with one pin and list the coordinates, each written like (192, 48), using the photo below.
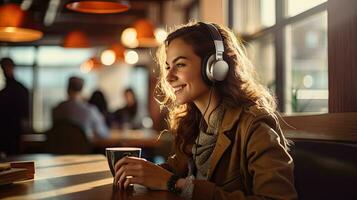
(176, 59)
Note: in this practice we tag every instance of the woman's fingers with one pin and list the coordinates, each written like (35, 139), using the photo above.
(132, 180)
(119, 172)
(127, 179)
(127, 160)
(139, 171)
(120, 163)
(126, 172)
(122, 179)
(127, 183)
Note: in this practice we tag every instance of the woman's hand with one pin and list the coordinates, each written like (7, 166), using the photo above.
(141, 172)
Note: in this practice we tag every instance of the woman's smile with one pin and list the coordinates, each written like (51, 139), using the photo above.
(178, 88)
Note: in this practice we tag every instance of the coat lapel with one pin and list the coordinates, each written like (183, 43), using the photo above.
(223, 142)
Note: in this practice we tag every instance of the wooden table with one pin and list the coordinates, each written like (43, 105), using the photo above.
(135, 138)
(74, 177)
(147, 139)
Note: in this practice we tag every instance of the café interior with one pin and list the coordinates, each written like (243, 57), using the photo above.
(304, 52)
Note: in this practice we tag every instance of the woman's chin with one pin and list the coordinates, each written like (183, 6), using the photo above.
(180, 101)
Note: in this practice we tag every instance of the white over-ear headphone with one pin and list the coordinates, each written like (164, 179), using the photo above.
(214, 68)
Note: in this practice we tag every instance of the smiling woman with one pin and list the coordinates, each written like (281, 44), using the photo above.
(228, 141)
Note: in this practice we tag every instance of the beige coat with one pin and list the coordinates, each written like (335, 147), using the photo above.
(249, 161)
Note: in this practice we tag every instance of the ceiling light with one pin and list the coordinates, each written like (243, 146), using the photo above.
(131, 57)
(128, 38)
(12, 25)
(160, 35)
(108, 57)
(92, 63)
(76, 39)
(99, 6)
(145, 33)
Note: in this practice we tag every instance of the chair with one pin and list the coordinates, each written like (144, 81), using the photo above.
(65, 137)
(324, 153)
(325, 169)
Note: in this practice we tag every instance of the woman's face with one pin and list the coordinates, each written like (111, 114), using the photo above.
(183, 73)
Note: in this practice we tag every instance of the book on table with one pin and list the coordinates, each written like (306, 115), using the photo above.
(16, 171)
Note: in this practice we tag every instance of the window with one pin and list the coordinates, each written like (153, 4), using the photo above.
(298, 6)
(253, 15)
(287, 43)
(307, 56)
(262, 53)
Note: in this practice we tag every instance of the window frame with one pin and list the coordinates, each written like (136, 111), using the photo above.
(278, 32)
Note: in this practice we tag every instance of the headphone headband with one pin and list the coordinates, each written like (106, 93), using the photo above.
(217, 39)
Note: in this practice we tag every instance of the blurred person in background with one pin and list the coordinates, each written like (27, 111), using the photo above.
(228, 141)
(125, 117)
(78, 111)
(98, 100)
(14, 110)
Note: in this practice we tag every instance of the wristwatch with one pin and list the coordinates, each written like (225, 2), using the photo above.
(171, 184)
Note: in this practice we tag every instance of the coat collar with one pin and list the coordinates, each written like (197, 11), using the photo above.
(230, 117)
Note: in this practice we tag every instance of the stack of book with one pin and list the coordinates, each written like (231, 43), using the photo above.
(16, 171)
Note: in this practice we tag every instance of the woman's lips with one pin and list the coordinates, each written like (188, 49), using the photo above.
(178, 88)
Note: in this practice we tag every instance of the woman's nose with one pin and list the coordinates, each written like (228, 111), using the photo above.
(171, 75)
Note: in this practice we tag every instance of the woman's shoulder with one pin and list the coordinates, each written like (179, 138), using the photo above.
(254, 114)
(256, 111)
(246, 116)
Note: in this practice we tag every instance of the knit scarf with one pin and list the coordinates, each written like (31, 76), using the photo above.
(205, 143)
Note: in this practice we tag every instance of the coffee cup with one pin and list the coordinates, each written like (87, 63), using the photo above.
(114, 154)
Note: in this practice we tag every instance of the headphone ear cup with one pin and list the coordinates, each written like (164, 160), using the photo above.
(205, 69)
(219, 70)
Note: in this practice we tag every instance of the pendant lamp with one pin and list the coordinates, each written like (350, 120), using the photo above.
(11, 25)
(76, 39)
(145, 33)
(119, 51)
(99, 6)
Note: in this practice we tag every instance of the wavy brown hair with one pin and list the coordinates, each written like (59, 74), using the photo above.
(241, 87)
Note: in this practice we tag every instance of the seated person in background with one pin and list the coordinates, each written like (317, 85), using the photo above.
(98, 100)
(78, 111)
(125, 117)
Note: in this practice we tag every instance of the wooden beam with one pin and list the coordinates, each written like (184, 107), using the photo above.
(342, 55)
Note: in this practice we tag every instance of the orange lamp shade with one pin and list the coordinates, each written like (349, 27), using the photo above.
(11, 15)
(11, 20)
(14, 34)
(98, 7)
(119, 51)
(145, 33)
(76, 39)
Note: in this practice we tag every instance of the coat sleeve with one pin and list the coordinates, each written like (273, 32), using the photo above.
(176, 164)
(269, 166)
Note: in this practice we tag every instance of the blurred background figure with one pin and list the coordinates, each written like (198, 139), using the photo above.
(125, 117)
(78, 111)
(14, 110)
(98, 100)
